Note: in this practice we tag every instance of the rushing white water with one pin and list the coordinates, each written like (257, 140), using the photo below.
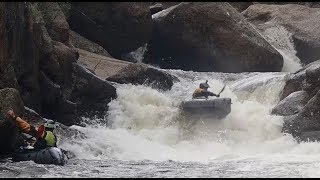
(145, 124)
(281, 40)
(144, 135)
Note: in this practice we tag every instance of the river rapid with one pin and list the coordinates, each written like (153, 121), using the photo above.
(144, 133)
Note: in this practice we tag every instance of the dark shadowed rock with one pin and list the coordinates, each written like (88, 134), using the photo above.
(156, 8)
(32, 116)
(211, 36)
(297, 81)
(55, 105)
(301, 21)
(139, 73)
(241, 6)
(307, 120)
(89, 92)
(55, 21)
(119, 27)
(19, 57)
(12, 28)
(308, 4)
(309, 136)
(312, 82)
(58, 65)
(292, 104)
(165, 5)
(293, 84)
(81, 42)
(9, 131)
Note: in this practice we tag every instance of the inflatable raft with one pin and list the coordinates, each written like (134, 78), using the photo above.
(213, 108)
(50, 155)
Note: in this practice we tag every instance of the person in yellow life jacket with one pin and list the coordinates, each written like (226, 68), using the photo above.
(202, 91)
(43, 134)
(48, 138)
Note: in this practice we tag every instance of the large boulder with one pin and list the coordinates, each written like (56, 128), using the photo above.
(58, 65)
(12, 29)
(312, 82)
(55, 21)
(307, 120)
(241, 6)
(308, 4)
(32, 116)
(119, 27)
(9, 131)
(291, 104)
(55, 105)
(165, 5)
(210, 36)
(19, 57)
(81, 42)
(156, 8)
(139, 73)
(297, 81)
(89, 92)
(100, 65)
(301, 21)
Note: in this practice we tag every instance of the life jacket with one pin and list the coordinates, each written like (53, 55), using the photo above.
(40, 131)
(197, 92)
(50, 139)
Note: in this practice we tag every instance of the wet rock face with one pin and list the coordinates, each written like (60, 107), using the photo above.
(89, 92)
(9, 131)
(306, 120)
(139, 73)
(292, 104)
(304, 123)
(55, 19)
(12, 29)
(241, 6)
(82, 43)
(301, 81)
(209, 37)
(119, 27)
(156, 8)
(300, 20)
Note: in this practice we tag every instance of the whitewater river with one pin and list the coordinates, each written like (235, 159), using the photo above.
(144, 135)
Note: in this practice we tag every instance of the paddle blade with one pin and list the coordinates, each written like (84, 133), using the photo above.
(222, 89)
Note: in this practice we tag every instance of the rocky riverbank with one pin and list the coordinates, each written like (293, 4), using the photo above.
(59, 58)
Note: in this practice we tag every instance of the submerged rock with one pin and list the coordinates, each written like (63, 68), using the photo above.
(139, 73)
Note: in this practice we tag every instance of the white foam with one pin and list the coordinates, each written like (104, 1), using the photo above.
(145, 124)
(282, 40)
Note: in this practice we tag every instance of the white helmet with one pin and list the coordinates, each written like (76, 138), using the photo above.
(50, 124)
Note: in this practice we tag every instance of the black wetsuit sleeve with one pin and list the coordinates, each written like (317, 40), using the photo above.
(40, 144)
(208, 93)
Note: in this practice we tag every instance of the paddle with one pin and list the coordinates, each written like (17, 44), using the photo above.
(221, 90)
